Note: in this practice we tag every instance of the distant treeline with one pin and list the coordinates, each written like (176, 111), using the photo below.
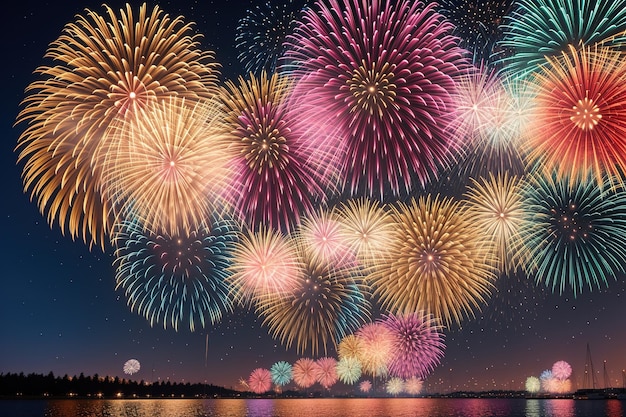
(12, 384)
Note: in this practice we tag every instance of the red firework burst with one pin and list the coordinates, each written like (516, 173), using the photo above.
(581, 114)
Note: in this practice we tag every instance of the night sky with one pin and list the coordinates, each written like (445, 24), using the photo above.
(60, 311)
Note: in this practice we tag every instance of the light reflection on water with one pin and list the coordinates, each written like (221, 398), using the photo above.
(353, 407)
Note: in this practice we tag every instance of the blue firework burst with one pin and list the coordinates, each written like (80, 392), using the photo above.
(177, 279)
(575, 232)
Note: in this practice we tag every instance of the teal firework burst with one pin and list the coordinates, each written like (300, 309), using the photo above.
(281, 373)
(175, 279)
(544, 28)
(575, 232)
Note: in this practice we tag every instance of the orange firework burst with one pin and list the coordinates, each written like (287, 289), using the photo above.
(350, 347)
(496, 206)
(581, 115)
(266, 263)
(167, 164)
(105, 68)
(440, 263)
(324, 305)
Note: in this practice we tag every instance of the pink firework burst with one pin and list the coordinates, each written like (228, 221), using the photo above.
(384, 73)
(326, 372)
(304, 372)
(377, 343)
(417, 345)
(281, 168)
(561, 370)
(413, 386)
(260, 380)
(365, 386)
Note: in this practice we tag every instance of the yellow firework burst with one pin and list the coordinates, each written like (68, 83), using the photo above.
(440, 263)
(168, 165)
(495, 205)
(105, 68)
(325, 305)
(367, 229)
(351, 347)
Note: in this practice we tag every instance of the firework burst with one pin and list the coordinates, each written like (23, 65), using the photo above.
(105, 69)
(496, 205)
(281, 170)
(260, 381)
(304, 372)
(575, 232)
(168, 163)
(281, 373)
(348, 370)
(377, 343)
(440, 263)
(262, 32)
(540, 29)
(394, 386)
(264, 263)
(350, 347)
(417, 345)
(170, 280)
(533, 384)
(383, 72)
(561, 370)
(323, 306)
(365, 386)
(132, 366)
(413, 386)
(580, 122)
(367, 229)
(326, 372)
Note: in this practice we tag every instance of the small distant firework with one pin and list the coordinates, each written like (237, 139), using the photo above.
(348, 370)
(440, 264)
(324, 305)
(417, 345)
(304, 372)
(384, 73)
(377, 343)
(131, 366)
(104, 69)
(168, 164)
(575, 232)
(243, 383)
(265, 263)
(540, 29)
(280, 171)
(496, 205)
(326, 372)
(561, 370)
(281, 373)
(478, 24)
(365, 386)
(172, 280)
(261, 34)
(580, 119)
(413, 386)
(367, 229)
(395, 386)
(260, 381)
(533, 384)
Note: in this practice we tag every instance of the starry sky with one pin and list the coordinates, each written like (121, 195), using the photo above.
(60, 311)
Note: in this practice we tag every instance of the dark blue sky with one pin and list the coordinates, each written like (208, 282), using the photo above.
(60, 311)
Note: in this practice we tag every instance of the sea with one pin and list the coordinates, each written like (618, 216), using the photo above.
(318, 407)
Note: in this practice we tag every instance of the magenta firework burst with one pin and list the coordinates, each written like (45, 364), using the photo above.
(384, 73)
(277, 178)
(417, 345)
